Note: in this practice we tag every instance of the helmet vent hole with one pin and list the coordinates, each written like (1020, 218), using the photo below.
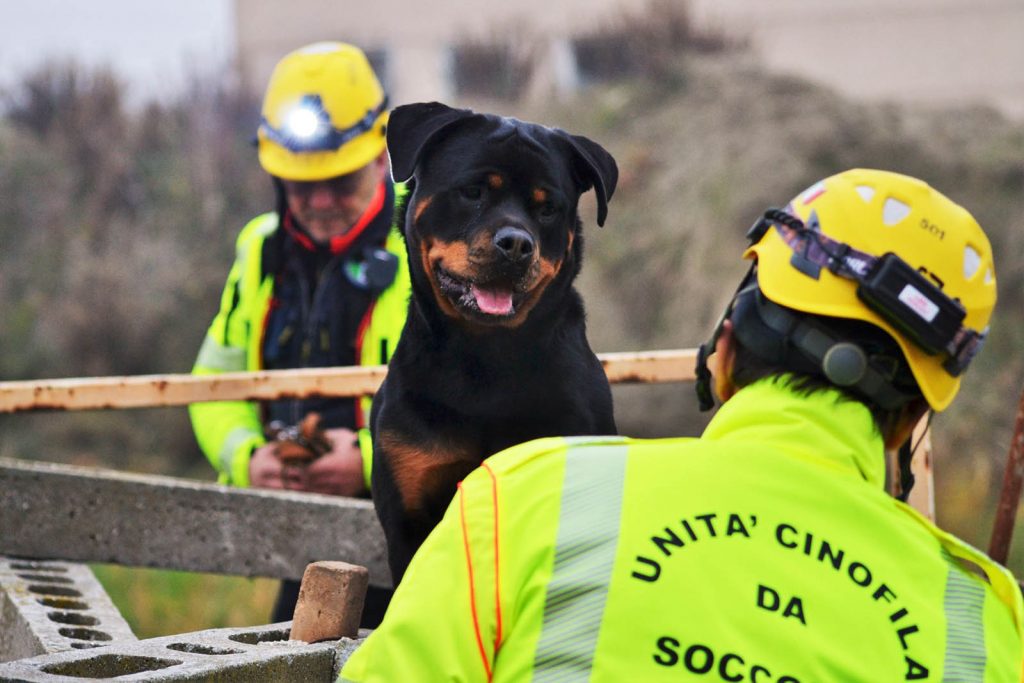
(866, 193)
(972, 261)
(894, 211)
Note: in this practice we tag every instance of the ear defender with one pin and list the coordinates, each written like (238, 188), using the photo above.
(844, 364)
(781, 336)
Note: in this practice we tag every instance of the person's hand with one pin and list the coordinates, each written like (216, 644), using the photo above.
(266, 471)
(340, 471)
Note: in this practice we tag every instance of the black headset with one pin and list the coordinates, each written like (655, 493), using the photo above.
(781, 336)
(777, 334)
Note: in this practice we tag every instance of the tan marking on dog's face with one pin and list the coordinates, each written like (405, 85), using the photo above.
(421, 206)
(469, 262)
(539, 195)
(458, 257)
(495, 181)
(433, 251)
(423, 469)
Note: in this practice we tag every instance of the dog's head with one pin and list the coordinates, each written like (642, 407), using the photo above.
(492, 220)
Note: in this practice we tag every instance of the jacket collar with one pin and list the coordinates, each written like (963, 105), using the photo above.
(824, 427)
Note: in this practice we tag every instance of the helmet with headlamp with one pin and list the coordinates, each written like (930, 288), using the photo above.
(324, 114)
(884, 249)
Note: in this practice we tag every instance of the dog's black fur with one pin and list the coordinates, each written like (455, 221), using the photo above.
(494, 351)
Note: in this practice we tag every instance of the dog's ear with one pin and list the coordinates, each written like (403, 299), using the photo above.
(410, 130)
(598, 169)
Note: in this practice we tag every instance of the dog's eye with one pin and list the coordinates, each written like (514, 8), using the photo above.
(547, 211)
(471, 192)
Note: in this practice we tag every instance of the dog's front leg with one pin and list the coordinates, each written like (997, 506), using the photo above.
(414, 480)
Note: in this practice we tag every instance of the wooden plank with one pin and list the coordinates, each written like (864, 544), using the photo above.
(922, 496)
(646, 367)
(149, 391)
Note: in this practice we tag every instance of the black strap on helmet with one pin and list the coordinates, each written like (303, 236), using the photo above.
(888, 285)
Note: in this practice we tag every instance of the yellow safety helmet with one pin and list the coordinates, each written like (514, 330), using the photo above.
(324, 114)
(889, 250)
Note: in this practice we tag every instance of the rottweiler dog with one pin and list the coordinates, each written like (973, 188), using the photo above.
(494, 350)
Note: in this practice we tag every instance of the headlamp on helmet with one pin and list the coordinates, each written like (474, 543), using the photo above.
(888, 285)
(890, 251)
(306, 127)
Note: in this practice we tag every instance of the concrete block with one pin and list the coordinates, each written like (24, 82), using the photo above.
(260, 654)
(48, 607)
(50, 511)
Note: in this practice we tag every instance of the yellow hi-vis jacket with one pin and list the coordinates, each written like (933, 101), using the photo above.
(764, 552)
(228, 431)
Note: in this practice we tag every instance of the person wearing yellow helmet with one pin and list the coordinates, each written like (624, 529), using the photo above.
(320, 281)
(768, 549)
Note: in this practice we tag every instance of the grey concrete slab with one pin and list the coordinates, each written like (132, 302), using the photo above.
(260, 654)
(50, 511)
(48, 607)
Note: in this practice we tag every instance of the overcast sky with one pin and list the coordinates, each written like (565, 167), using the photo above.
(152, 45)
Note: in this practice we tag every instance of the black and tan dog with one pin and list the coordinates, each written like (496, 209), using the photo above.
(494, 351)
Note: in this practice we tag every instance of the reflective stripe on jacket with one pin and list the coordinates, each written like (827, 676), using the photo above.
(766, 552)
(228, 431)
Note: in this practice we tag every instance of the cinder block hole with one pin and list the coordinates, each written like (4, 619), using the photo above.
(108, 666)
(43, 578)
(63, 603)
(196, 649)
(37, 567)
(85, 646)
(84, 634)
(72, 618)
(260, 637)
(40, 589)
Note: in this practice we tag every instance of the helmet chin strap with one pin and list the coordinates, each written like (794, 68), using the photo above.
(702, 385)
(905, 457)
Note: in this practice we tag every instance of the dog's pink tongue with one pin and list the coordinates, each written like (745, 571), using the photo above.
(493, 301)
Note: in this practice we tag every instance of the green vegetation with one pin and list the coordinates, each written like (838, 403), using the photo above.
(157, 603)
(118, 224)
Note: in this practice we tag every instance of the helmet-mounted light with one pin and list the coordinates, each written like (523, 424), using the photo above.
(888, 285)
(307, 127)
(305, 122)
(900, 294)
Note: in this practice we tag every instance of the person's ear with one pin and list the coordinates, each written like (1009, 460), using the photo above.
(722, 362)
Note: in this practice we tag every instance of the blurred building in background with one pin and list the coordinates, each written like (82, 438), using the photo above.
(924, 51)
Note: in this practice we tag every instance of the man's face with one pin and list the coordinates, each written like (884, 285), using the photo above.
(328, 208)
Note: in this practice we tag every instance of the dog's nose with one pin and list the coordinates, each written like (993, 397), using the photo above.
(515, 243)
